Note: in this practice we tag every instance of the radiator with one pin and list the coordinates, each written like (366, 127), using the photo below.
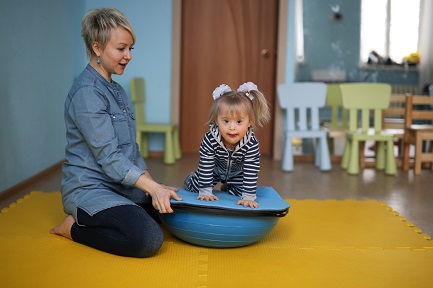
(403, 89)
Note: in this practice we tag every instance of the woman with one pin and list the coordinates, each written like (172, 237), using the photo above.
(105, 182)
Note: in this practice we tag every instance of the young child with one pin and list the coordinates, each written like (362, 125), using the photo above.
(229, 152)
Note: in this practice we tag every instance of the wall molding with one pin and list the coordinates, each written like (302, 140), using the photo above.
(8, 193)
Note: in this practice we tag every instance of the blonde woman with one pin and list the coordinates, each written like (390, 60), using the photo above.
(105, 182)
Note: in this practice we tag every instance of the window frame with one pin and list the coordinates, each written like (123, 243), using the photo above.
(364, 63)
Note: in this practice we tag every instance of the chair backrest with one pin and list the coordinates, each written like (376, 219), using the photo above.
(364, 98)
(137, 97)
(334, 101)
(416, 110)
(301, 102)
(393, 116)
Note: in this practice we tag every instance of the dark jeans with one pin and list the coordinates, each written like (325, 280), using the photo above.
(125, 230)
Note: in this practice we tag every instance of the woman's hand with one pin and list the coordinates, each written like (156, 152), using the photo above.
(161, 198)
(250, 203)
(160, 193)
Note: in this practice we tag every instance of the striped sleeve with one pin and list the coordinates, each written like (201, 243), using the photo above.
(251, 169)
(206, 163)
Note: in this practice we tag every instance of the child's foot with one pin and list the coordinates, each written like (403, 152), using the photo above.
(64, 229)
(224, 186)
(187, 181)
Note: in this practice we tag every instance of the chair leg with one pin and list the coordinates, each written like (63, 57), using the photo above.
(330, 142)
(406, 150)
(418, 155)
(380, 155)
(169, 148)
(142, 143)
(177, 151)
(346, 154)
(391, 162)
(353, 167)
(287, 162)
(317, 151)
(325, 158)
(362, 154)
(429, 152)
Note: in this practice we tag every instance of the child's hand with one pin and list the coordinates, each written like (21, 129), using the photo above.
(207, 198)
(250, 203)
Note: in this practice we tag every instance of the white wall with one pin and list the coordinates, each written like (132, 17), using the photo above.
(40, 46)
(42, 52)
(152, 22)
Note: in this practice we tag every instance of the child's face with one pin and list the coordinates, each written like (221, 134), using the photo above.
(232, 127)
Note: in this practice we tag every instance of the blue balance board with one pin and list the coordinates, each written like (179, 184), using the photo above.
(223, 223)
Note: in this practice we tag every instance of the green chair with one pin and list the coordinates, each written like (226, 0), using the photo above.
(339, 116)
(367, 100)
(172, 147)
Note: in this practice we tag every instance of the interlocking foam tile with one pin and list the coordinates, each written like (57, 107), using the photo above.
(347, 224)
(326, 243)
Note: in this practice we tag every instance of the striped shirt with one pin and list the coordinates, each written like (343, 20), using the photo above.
(238, 168)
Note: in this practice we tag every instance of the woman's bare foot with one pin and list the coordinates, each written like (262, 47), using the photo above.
(64, 229)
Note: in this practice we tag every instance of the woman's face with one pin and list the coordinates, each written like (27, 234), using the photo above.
(116, 54)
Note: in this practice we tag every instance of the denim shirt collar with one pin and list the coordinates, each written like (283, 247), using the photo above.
(112, 85)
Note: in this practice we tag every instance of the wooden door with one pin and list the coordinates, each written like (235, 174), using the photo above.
(230, 42)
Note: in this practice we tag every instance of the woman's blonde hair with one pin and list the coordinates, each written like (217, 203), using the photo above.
(97, 24)
(253, 102)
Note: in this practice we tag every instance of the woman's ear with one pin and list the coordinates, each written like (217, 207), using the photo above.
(96, 49)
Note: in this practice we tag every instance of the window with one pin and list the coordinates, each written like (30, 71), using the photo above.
(299, 32)
(390, 28)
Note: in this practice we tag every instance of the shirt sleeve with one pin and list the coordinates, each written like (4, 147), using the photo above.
(251, 170)
(206, 165)
(139, 159)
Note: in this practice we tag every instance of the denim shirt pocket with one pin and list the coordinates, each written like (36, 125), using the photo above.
(121, 128)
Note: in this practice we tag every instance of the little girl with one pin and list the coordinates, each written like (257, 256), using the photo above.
(229, 152)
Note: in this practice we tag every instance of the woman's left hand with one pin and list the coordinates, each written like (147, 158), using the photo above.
(161, 198)
(160, 193)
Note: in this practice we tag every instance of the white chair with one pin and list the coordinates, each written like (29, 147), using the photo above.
(301, 102)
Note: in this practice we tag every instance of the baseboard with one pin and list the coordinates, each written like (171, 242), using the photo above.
(156, 154)
(310, 158)
(10, 192)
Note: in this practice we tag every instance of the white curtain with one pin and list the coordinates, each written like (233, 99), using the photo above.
(426, 44)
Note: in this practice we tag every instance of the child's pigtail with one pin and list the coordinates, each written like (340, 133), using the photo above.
(260, 105)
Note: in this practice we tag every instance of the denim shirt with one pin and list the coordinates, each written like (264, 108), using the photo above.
(103, 161)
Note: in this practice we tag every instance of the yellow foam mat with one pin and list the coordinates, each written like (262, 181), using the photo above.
(328, 243)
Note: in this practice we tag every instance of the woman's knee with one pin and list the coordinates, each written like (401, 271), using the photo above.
(146, 242)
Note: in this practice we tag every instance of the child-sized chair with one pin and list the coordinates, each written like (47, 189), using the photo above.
(172, 146)
(339, 116)
(393, 121)
(417, 134)
(365, 98)
(300, 102)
